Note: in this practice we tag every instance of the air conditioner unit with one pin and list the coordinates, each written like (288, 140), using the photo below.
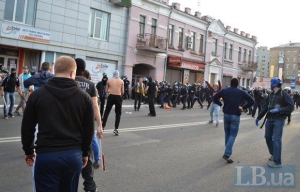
(189, 39)
(190, 46)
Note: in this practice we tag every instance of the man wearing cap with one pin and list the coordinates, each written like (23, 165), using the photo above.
(276, 108)
(8, 87)
(22, 77)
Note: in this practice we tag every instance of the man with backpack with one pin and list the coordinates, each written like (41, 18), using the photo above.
(8, 87)
(276, 108)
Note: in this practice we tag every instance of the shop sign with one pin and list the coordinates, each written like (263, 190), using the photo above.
(188, 65)
(20, 32)
(175, 60)
(96, 70)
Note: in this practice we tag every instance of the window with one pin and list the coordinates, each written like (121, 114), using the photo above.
(170, 34)
(225, 50)
(249, 57)
(22, 11)
(142, 25)
(153, 27)
(288, 52)
(294, 66)
(240, 54)
(287, 73)
(201, 43)
(295, 52)
(180, 37)
(193, 36)
(214, 46)
(245, 55)
(295, 59)
(287, 60)
(99, 24)
(287, 66)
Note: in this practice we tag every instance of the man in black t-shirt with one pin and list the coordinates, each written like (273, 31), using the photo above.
(89, 87)
(151, 90)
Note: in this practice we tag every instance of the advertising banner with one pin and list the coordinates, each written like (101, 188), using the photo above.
(97, 69)
(20, 32)
(186, 76)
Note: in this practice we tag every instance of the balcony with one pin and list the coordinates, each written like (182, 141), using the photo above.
(152, 43)
(249, 66)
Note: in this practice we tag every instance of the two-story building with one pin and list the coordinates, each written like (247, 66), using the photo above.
(34, 31)
(174, 45)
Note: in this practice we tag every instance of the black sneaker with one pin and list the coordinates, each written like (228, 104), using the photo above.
(116, 132)
(5, 117)
(11, 115)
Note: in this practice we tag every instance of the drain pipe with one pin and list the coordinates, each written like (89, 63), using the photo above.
(167, 47)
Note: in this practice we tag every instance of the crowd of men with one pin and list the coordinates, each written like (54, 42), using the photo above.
(65, 131)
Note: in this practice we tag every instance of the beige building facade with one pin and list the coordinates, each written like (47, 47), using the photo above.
(285, 62)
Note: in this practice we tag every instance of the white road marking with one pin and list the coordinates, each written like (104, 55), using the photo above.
(146, 128)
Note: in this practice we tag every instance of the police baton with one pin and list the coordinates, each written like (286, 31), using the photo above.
(263, 122)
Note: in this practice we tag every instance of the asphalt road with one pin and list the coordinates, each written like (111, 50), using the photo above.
(175, 151)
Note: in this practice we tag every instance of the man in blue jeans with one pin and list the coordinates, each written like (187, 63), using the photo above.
(232, 97)
(276, 108)
(8, 87)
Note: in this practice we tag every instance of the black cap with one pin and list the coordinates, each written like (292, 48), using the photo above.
(12, 69)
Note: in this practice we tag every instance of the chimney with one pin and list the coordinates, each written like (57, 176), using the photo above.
(198, 14)
(176, 6)
(247, 35)
(165, 1)
(228, 28)
(243, 33)
(236, 30)
(254, 38)
(188, 10)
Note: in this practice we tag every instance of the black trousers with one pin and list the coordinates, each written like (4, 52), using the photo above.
(102, 103)
(137, 100)
(111, 101)
(88, 174)
(151, 104)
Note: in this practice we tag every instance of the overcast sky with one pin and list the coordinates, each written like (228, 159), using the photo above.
(274, 22)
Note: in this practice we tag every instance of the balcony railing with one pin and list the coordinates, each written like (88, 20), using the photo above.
(249, 66)
(151, 42)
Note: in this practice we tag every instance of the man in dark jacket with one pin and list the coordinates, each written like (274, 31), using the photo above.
(151, 91)
(276, 108)
(66, 127)
(40, 79)
(232, 97)
(258, 98)
(101, 86)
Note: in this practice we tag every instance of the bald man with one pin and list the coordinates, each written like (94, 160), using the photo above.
(65, 116)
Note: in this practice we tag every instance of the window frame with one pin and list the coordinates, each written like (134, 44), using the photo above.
(180, 37)
(193, 37)
(225, 50)
(245, 55)
(142, 24)
(154, 26)
(230, 51)
(25, 9)
(170, 33)
(94, 25)
(240, 55)
(249, 56)
(215, 47)
(201, 43)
